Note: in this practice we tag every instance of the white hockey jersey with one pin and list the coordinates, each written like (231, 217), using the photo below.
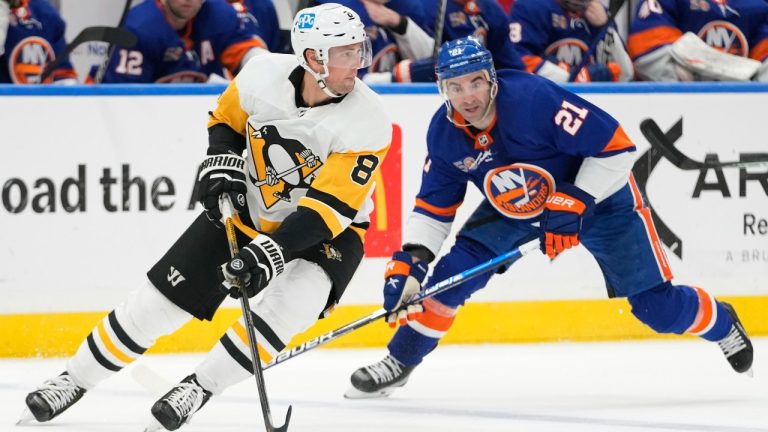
(323, 157)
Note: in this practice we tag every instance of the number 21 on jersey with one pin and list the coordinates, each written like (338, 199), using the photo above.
(570, 117)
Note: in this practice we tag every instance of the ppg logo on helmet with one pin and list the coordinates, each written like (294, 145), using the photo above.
(306, 21)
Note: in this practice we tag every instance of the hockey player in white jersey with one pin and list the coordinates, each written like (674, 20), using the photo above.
(313, 137)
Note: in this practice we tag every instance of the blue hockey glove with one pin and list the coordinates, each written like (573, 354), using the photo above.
(403, 279)
(561, 219)
(256, 265)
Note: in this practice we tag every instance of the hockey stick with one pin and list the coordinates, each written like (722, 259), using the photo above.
(258, 372)
(439, 25)
(260, 183)
(613, 9)
(112, 35)
(111, 48)
(658, 140)
(433, 290)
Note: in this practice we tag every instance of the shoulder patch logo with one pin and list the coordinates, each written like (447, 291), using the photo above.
(281, 164)
(518, 191)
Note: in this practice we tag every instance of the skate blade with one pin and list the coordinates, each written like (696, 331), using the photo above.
(25, 418)
(353, 393)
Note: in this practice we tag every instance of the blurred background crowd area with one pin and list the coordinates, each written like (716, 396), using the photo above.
(187, 41)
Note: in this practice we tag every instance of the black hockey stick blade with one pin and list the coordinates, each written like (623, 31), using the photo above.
(656, 137)
(658, 140)
(111, 35)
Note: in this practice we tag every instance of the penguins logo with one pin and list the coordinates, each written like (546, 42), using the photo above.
(518, 191)
(281, 164)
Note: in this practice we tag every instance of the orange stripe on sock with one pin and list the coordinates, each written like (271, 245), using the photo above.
(437, 316)
(705, 314)
(110, 345)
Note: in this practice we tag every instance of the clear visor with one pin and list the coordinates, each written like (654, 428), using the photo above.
(354, 56)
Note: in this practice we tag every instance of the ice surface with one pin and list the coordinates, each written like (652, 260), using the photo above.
(683, 385)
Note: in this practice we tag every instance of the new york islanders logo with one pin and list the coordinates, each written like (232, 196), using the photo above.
(281, 164)
(568, 50)
(518, 191)
(726, 37)
(28, 58)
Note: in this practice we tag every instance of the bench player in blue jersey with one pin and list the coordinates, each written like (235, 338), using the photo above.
(539, 154)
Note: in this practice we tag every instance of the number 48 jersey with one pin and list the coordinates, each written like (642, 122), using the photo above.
(324, 158)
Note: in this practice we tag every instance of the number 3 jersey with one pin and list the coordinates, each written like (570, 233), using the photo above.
(542, 135)
(322, 158)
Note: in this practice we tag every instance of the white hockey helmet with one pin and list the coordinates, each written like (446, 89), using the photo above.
(323, 27)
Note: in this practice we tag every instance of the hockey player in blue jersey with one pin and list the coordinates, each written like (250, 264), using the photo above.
(31, 35)
(553, 36)
(541, 154)
(259, 18)
(182, 41)
(483, 19)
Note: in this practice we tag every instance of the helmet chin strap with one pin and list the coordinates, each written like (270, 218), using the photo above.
(320, 78)
(449, 113)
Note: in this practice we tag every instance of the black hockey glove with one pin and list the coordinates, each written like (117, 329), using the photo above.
(256, 265)
(222, 174)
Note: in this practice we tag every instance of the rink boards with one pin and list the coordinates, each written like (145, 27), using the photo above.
(97, 183)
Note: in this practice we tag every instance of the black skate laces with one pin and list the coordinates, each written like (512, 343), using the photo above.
(732, 343)
(385, 370)
(187, 398)
(58, 392)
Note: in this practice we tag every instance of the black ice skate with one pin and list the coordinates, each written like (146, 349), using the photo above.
(52, 398)
(379, 379)
(178, 405)
(736, 346)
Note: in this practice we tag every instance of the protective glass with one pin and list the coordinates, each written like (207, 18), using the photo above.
(354, 56)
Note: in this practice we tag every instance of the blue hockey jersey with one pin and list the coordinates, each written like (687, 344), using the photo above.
(35, 36)
(738, 27)
(213, 42)
(540, 136)
(259, 18)
(543, 30)
(485, 20)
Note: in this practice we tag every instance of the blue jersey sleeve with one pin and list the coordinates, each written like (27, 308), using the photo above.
(656, 23)
(528, 31)
(230, 40)
(442, 188)
(261, 20)
(573, 125)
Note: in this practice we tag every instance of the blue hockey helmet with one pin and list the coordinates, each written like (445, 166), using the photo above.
(463, 56)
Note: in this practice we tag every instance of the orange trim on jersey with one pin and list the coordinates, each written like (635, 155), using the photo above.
(760, 51)
(64, 74)
(705, 314)
(439, 308)
(619, 141)
(395, 267)
(638, 198)
(440, 211)
(532, 63)
(644, 41)
(110, 345)
(645, 214)
(233, 55)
